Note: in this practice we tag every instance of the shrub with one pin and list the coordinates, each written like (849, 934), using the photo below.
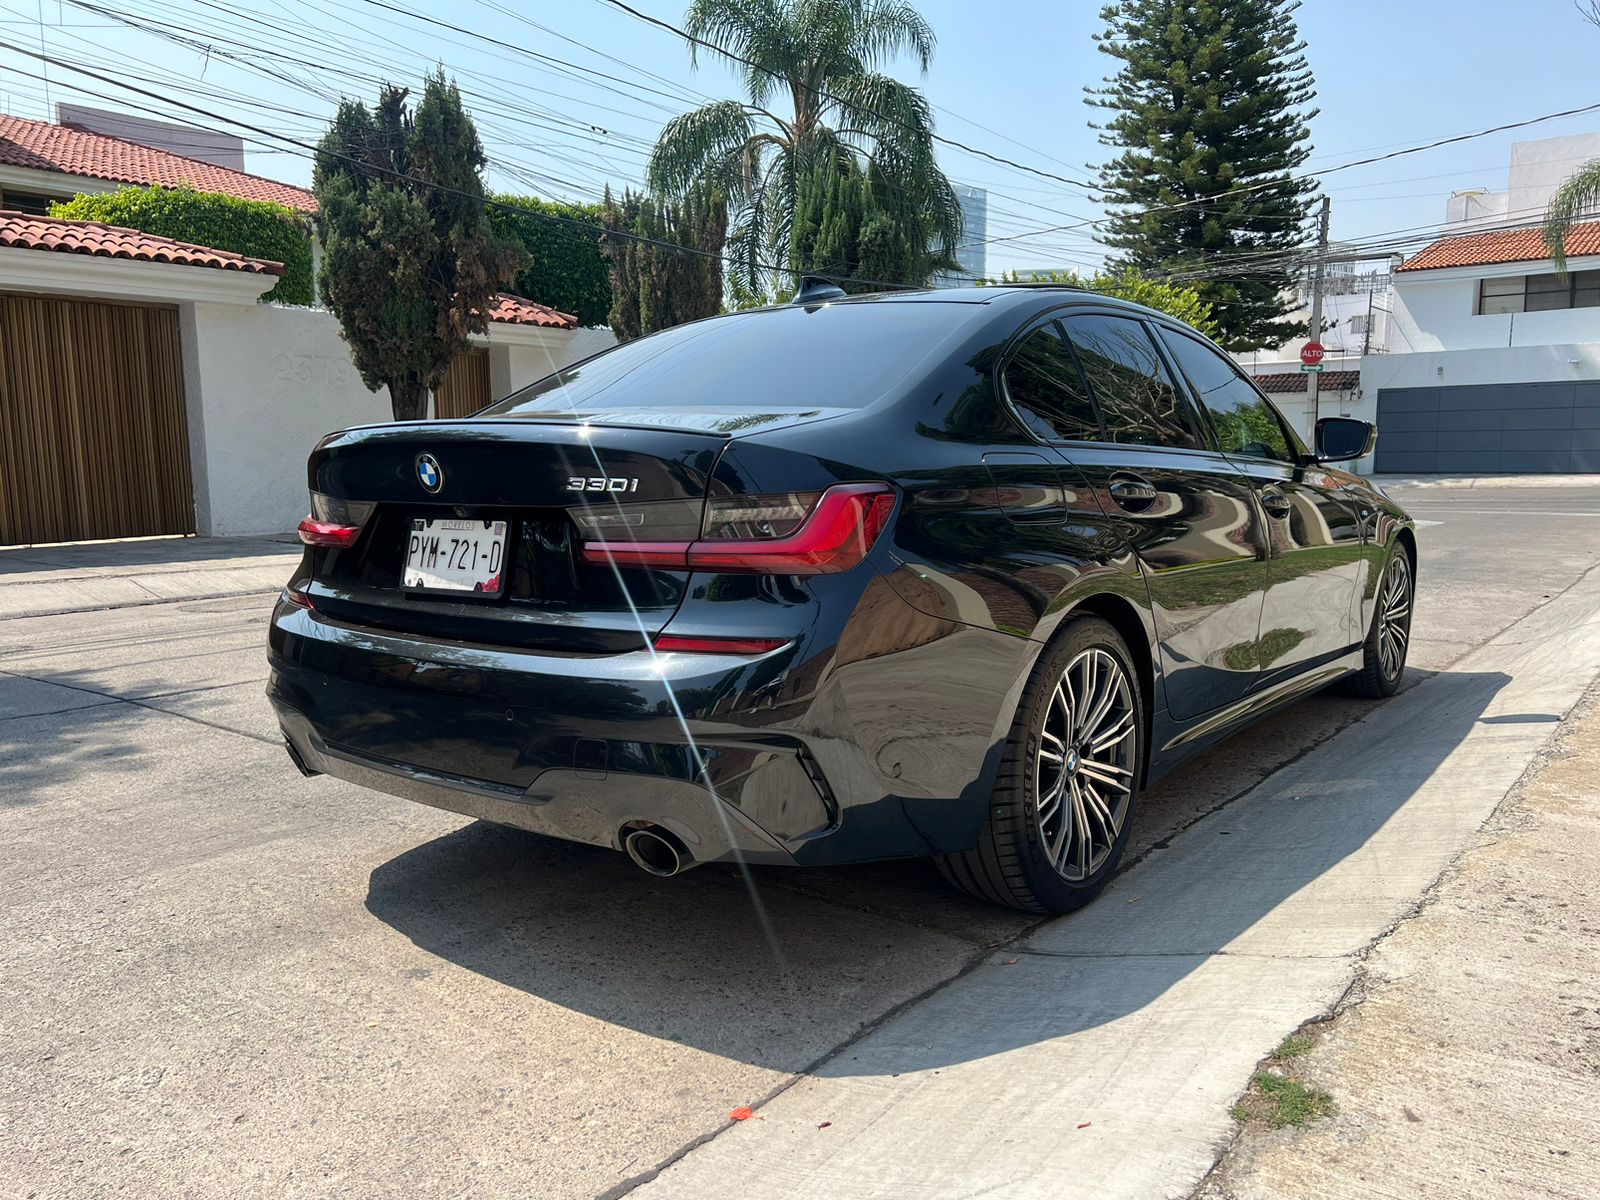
(254, 228)
(567, 270)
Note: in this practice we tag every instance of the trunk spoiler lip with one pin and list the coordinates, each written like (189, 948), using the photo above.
(442, 428)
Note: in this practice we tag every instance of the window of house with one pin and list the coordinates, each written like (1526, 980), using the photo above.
(1501, 295)
(26, 202)
(1546, 292)
(1246, 423)
(1047, 391)
(1136, 398)
(1539, 293)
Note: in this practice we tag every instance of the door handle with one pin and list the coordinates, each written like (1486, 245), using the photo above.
(1276, 504)
(1131, 492)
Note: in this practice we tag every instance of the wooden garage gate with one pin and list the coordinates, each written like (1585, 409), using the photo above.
(465, 386)
(94, 442)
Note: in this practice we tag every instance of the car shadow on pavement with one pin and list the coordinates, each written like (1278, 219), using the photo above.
(693, 960)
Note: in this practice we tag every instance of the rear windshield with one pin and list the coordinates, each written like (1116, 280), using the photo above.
(834, 356)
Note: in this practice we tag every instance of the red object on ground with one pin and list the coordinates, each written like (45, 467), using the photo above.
(742, 1113)
(1311, 353)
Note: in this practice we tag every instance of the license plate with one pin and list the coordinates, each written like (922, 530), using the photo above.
(456, 555)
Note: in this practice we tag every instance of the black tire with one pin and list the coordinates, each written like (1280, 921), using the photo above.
(1017, 862)
(1381, 673)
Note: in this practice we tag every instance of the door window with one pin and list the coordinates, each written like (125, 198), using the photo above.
(1246, 423)
(1137, 400)
(1047, 391)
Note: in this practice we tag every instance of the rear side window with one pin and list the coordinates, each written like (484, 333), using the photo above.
(1047, 391)
(1137, 400)
(1245, 422)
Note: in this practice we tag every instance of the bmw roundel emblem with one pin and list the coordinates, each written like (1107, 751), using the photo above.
(429, 473)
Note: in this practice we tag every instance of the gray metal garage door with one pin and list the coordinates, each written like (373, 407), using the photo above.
(1548, 428)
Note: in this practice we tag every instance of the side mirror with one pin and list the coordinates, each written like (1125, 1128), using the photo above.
(1340, 439)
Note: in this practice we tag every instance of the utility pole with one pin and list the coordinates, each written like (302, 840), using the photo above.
(1314, 387)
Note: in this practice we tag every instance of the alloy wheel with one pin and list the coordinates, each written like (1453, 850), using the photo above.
(1394, 617)
(1083, 772)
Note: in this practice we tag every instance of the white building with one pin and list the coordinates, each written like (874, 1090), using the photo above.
(1494, 356)
(1538, 168)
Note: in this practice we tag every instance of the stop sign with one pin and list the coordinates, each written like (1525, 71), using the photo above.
(1311, 353)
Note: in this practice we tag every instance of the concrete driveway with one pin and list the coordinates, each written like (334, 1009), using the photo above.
(222, 979)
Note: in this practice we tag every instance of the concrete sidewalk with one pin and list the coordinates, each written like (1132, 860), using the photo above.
(85, 576)
(1466, 1062)
(1099, 1056)
(1486, 481)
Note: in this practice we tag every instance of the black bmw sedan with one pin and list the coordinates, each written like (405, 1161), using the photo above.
(951, 573)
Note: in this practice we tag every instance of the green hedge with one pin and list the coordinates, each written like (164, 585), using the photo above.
(253, 228)
(567, 270)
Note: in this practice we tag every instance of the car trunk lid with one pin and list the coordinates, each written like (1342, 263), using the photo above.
(541, 479)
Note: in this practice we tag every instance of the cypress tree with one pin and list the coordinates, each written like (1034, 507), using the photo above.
(410, 263)
(850, 224)
(1210, 104)
(655, 287)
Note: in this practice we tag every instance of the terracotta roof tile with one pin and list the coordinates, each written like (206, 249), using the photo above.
(43, 146)
(514, 310)
(1501, 246)
(1294, 382)
(24, 232)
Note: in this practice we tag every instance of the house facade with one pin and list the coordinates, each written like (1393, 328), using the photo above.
(145, 390)
(1494, 362)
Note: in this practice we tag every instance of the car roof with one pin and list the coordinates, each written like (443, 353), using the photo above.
(957, 295)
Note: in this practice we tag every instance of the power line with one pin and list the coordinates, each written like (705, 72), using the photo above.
(308, 150)
(248, 51)
(832, 99)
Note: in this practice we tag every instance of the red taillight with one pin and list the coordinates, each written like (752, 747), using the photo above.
(718, 645)
(328, 533)
(835, 536)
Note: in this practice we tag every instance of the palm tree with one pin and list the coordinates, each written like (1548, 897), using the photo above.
(817, 59)
(1579, 196)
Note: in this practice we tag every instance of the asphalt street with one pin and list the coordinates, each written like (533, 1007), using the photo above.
(221, 979)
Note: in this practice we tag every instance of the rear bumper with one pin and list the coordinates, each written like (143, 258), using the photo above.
(582, 748)
(589, 807)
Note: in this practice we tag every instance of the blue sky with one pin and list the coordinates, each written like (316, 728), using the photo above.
(1008, 77)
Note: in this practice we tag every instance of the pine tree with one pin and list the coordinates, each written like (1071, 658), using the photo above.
(410, 264)
(655, 287)
(1211, 120)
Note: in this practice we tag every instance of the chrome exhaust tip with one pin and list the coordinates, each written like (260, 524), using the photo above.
(657, 851)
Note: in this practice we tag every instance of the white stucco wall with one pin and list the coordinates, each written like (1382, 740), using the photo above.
(265, 384)
(1517, 364)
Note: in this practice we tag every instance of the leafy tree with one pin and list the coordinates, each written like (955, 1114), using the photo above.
(254, 228)
(565, 267)
(655, 287)
(1210, 117)
(410, 263)
(1175, 299)
(817, 60)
